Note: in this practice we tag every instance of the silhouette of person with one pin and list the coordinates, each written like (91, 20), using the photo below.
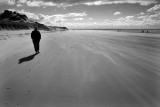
(36, 37)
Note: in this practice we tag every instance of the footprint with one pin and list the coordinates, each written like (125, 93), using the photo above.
(8, 88)
(18, 104)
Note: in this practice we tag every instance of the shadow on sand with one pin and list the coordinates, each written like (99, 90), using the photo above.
(26, 59)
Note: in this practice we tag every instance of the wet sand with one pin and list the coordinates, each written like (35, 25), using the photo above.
(81, 69)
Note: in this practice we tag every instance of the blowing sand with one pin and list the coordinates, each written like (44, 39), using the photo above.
(80, 69)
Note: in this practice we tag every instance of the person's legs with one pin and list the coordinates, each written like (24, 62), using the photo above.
(38, 45)
(35, 46)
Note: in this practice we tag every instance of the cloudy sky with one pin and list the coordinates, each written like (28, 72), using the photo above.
(89, 13)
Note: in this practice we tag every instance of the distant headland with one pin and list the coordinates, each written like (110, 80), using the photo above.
(12, 20)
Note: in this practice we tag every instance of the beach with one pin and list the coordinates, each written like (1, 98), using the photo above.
(80, 68)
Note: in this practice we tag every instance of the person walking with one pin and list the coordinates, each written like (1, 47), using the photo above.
(36, 37)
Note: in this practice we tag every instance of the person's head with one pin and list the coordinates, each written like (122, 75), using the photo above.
(35, 28)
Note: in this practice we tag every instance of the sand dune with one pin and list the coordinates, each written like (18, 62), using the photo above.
(80, 69)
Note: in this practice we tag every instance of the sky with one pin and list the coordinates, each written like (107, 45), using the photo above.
(89, 14)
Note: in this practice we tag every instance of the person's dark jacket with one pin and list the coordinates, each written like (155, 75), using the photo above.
(35, 35)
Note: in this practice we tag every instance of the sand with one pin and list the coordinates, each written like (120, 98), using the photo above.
(80, 69)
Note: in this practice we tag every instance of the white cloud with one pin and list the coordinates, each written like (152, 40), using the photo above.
(94, 3)
(129, 17)
(155, 8)
(107, 24)
(53, 20)
(66, 3)
(40, 3)
(90, 18)
(76, 14)
(22, 1)
(71, 15)
(102, 2)
(146, 3)
(8, 2)
(117, 13)
(19, 5)
(123, 22)
(12, 10)
(142, 13)
(155, 16)
(30, 15)
(78, 18)
(142, 20)
(142, 17)
(120, 19)
(150, 17)
(125, 18)
(128, 23)
(57, 18)
(81, 25)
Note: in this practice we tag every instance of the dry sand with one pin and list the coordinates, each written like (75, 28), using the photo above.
(80, 69)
